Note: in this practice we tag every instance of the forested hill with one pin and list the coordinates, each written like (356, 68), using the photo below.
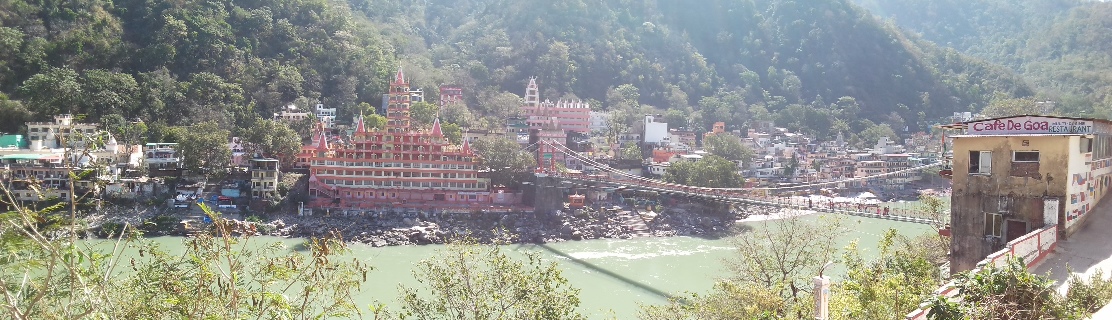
(820, 65)
(714, 59)
(182, 62)
(1060, 46)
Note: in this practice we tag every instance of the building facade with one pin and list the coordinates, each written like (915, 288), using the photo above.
(399, 166)
(327, 116)
(1017, 174)
(570, 115)
(450, 94)
(264, 177)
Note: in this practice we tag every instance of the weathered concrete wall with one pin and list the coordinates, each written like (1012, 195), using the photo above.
(548, 196)
(1015, 190)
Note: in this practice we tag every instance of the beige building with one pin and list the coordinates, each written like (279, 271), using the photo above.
(264, 177)
(1018, 174)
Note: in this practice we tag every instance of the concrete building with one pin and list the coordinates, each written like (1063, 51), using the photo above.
(399, 166)
(326, 116)
(1016, 174)
(264, 177)
(163, 160)
(600, 121)
(61, 133)
(570, 115)
(450, 94)
(655, 132)
(290, 114)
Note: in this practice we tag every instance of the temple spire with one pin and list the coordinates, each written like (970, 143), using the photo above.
(400, 77)
(322, 144)
(436, 132)
(359, 128)
(466, 148)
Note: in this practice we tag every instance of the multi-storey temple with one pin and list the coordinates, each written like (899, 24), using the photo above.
(549, 123)
(399, 166)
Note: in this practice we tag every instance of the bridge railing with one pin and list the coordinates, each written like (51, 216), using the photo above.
(1032, 247)
(786, 202)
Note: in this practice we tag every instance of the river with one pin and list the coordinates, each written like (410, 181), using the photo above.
(615, 276)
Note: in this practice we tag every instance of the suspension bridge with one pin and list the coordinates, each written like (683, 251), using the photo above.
(761, 196)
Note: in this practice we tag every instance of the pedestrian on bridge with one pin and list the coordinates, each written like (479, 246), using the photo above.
(885, 211)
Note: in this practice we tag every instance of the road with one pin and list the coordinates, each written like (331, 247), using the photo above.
(1087, 251)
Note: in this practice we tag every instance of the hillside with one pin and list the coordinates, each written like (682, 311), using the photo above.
(794, 60)
(1058, 45)
(823, 66)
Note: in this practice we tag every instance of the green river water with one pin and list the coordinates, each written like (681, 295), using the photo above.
(615, 276)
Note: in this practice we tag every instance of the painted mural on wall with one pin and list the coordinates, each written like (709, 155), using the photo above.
(1085, 187)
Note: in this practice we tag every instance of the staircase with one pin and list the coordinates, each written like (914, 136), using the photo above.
(633, 222)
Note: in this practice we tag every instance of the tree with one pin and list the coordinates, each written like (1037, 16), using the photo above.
(729, 147)
(785, 253)
(457, 113)
(272, 139)
(472, 282)
(1003, 106)
(55, 91)
(48, 273)
(1013, 292)
(872, 134)
(727, 300)
(507, 162)
(678, 118)
(632, 152)
(453, 132)
(710, 171)
(423, 113)
(204, 147)
(888, 286)
(13, 115)
(791, 166)
(501, 104)
(770, 273)
(374, 121)
(127, 134)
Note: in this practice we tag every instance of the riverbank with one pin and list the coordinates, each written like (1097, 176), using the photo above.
(496, 227)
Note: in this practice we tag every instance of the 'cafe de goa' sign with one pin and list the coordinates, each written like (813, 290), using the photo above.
(1030, 125)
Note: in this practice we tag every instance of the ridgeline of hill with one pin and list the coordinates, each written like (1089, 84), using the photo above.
(1061, 46)
(825, 66)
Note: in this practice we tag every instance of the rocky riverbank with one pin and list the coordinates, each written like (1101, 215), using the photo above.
(521, 227)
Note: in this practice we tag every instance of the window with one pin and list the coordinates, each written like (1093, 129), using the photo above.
(994, 224)
(980, 162)
(1025, 156)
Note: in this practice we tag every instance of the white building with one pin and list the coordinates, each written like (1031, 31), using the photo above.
(63, 132)
(326, 115)
(290, 113)
(655, 132)
(599, 121)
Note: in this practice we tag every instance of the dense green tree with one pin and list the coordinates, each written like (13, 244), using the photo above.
(457, 113)
(453, 132)
(271, 138)
(631, 152)
(204, 147)
(886, 287)
(710, 171)
(729, 147)
(472, 282)
(507, 162)
(13, 116)
(423, 113)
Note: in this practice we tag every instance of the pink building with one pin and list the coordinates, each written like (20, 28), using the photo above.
(570, 115)
(450, 94)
